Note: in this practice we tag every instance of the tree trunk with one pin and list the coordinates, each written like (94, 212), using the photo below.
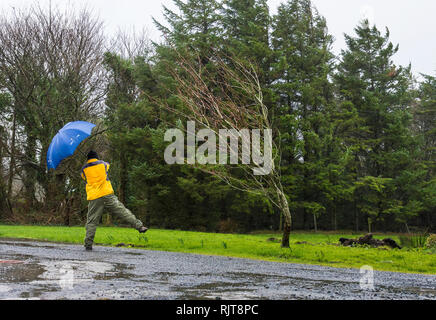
(66, 211)
(314, 223)
(287, 217)
(30, 173)
(286, 233)
(1, 152)
(12, 162)
(407, 228)
(3, 194)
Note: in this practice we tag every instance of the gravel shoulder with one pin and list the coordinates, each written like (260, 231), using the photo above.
(41, 270)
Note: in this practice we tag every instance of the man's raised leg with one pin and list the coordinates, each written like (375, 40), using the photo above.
(116, 208)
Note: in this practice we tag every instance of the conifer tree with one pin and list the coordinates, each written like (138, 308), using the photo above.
(196, 27)
(303, 62)
(246, 25)
(425, 128)
(383, 146)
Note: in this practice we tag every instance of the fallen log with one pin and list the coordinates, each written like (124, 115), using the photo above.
(369, 240)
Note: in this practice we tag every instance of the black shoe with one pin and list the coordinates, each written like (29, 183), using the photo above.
(88, 248)
(142, 229)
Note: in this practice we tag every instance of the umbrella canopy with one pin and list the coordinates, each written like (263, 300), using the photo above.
(66, 141)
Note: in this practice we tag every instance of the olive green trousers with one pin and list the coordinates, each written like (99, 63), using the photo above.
(114, 207)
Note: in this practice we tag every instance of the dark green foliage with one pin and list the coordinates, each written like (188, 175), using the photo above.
(357, 139)
(305, 113)
(384, 147)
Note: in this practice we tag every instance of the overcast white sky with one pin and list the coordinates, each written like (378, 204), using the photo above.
(411, 23)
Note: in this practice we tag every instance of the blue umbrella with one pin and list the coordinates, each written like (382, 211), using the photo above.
(66, 141)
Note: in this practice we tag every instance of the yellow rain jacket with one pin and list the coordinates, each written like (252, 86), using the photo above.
(97, 181)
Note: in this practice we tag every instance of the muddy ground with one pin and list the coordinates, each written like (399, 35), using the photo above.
(40, 270)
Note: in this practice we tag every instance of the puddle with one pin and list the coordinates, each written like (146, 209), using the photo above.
(36, 293)
(67, 273)
(219, 290)
(4, 288)
(54, 278)
(17, 273)
(237, 295)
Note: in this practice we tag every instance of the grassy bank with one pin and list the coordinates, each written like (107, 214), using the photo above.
(320, 248)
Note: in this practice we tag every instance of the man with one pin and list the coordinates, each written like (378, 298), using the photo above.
(101, 196)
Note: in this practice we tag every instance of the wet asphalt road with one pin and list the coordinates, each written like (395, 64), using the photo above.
(40, 270)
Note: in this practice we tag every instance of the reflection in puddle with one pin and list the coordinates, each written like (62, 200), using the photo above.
(68, 273)
(37, 279)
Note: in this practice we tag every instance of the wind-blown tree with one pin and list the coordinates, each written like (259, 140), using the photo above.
(165, 196)
(246, 35)
(198, 29)
(230, 99)
(304, 110)
(50, 63)
(384, 149)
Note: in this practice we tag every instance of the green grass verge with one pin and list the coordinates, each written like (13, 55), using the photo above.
(310, 248)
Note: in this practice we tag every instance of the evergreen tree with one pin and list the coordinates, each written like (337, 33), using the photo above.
(303, 62)
(425, 128)
(425, 120)
(246, 25)
(196, 27)
(384, 148)
(197, 32)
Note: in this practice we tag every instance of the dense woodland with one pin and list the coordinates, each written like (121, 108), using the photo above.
(354, 134)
